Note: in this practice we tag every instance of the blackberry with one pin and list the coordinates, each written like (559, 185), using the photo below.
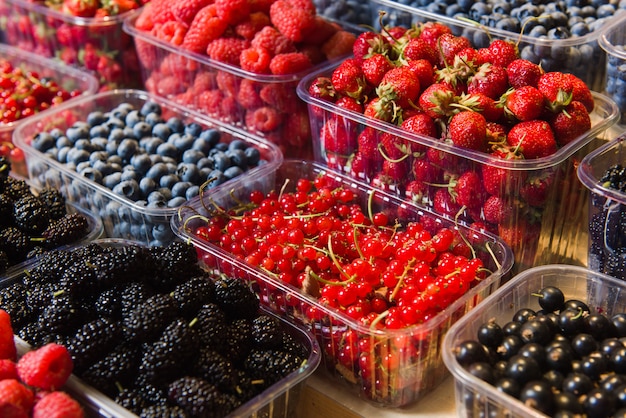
(34, 335)
(132, 400)
(4, 262)
(5, 168)
(65, 230)
(39, 296)
(61, 316)
(79, 278)
(290, 345)
(132, 295)
(247, 387)
(119, 265)
(239, 340)
(271, 365)
(150, 317)
(30, 214)
(117, 368)
(236, 299)
(173, 264)
(54, 200)
(199, 398)
(163, 411)
(15, 243)
(267, 332)
(15, 188)
(614, 177)
(215, 369)
(109, 303)
(211, 327)
(50, 267)
(13, 300)
(194, 293)
(92, 342)
(6, 210)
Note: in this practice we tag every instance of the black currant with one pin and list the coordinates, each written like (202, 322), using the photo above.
(468, 352)
(550, 298)
(538, 395)
(523, 369)
(577, 384)
(490, 334)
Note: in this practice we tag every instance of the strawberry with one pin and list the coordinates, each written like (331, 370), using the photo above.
(338, 45)
(536, 191)
(520, 234)
(570, 123)
(467, 190)
(232, 11)
(502, 52)
(436, 100)
(385, 182)
(478, 102)
(80, 8)
(400, 86)
(118, 7)
(533, 138)
(449, 46)
(367, 44)
(424, 170)
(348, 78)
(293, 18)
(204, 28)
(382, 109)
(362, 168)
(524, 103)
(368, 144)
(57, 404)
(289, 63)
(497, 211)
(496, 132)
(397, 170)
(431, 31)
(417, 191)
(423, 70)
(375, 67)
(47, 367)
(490, 80)
(581, 92)
(444, 203)
(468, 129)
(321, 88)
(393, 147)
(557, 89)
(338, 138)
(521, 72)
(499, 181)
(420, 124)
(419, 49)
(16, 394)
(7, 345)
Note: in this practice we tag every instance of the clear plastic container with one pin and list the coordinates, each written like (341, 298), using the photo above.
(68, 78)
(571, 55)
(541, 228)
(613, 41)
(96, 44)
(278, 401)
(607, 207)
(266, 105)
(417, 349)
(475, 397)
(121, 216)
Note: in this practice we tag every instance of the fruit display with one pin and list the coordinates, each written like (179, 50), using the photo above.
(559, 36)
(86, 34)
(133, 159)
(32, 384)
(613, 41)
(28, 85)
(603, 173)
(148, 328)
(238, 61)
(346, 11)
(378, 281)
(478, 134)
(547, 343)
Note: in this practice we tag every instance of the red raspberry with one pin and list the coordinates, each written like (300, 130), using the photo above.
(263, 119)
(290, 63)
(261, 5)
(47, 367)
(205, 27)
(8, 369)
(13, 393)
(322, 31)
(208, 101)
(256, 60)
(7, 345)
(161, 11)
(226, 50)
(57, 405)
(233, 11)
(185, 10)
(293, 18)
(272, 40)
(280, 96)
(248, 94)
(296, 130)
(339, 44)
(173, 32)
(249, 28)
(228, 83)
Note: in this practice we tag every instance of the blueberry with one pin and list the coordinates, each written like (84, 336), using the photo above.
(127, 148)
(98, 156)
(508, 24)
(192, 156)
(82, 165)
(188, 172)
(152, 145)
(176, 124)
(128, 188)
(162, 232)
(111, 147)
(232, 172)
(162, 131)
(62, 154)
(180, 189)
(128, 173)
(579, 29)
(52, 152)
(168, 180)
(167, 149)
(205, 162)
(121, 110)
(157, 171)
(238, 157)
(141, 129)
(114, 122)
(153, 119)
(176, 202)
(103, 167)
(141, 162)
(99, 143)
(150, 107)
(43, 141)
(62, 141)
(559, 32)
(215, 178)
(132, 118)
(194, 129)
(157, 197)
(99, 130)
(75, 156)
(220, 161)
(147, 185)
(116, 134)
(56, 133)
(182, 142)
(253, 156)
(74, 133)
(96, 117)
(192, 192)
(138, 231)
(92, 174)
(211, 136)
(84, 144)
(112, 180)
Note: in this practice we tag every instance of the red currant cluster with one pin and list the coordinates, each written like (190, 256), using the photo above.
(364, 264)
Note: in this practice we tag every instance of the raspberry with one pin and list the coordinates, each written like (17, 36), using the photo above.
(226, 50)
(15, 394)
(260, 5)
(161, 11)
(185, 10)
(8, 410)
(264, 119)
(339, 44)
(7, 345)
(233, 11)
(228, 83)
(57, 405)
(279, 96)
(272, 40)
(172, 32)
(290, 63)
(8, 369)
(248, 28)
(47, 367)
(256, 60)
(205, 27)
(248, 96)
(294, 19)
(208, 101)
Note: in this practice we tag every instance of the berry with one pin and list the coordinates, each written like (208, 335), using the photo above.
(57, 404)
(46, 368)
(204, 28)
(7, 345)
(16, 398)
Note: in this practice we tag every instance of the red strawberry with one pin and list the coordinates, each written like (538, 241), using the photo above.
(478, 102)
(520, 234)
(468, 129)
(496, 132)
(522, 73)
(367, 44)
(467, 190)
(557, 89)
(117, 7)
(185, 10)
(80, 8)
(417, 191)
(497, 180)
(397, 170)
(570, 123)
(47, 367)
(293, 18)
(57, 405)
(536, 191)
(368, 144)
(444, 204)
(232, 11)
(436, 99)
(524, 103)
(490, 80)
(419, 49)
(272, 40)
(420, 124)
(289, 63)
(533, 138)
(382, 109)
(424, 170)
(7, 345)
(375, 67)
(399, 85)
(338, 45)
(502, 52)
(431, 31)
(361, 167)
(581, 92)
(17, 395)
(338, 138)
(321, 88)
(204, 28)
(385, 182)
(394, 148)
(348, 78)
(449, 46)
(497, 211)
(423, 70)
(256, 60)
